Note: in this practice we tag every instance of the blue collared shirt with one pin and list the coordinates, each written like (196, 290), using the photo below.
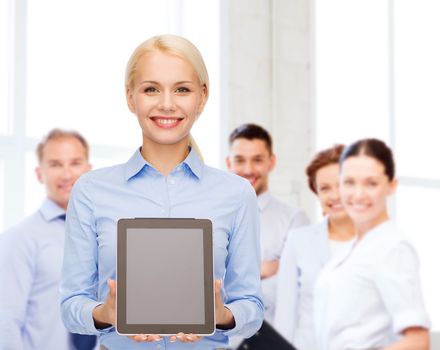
(136, 189)
(31, 255)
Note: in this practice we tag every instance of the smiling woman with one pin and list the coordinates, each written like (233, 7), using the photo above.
(308, 249)
(167, 96)
(368, 179)
(166, 88)
(381, 267)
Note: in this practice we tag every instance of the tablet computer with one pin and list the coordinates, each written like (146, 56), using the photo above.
(164, 273)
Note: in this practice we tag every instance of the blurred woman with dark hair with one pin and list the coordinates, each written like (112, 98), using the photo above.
(308, 249)
(370, 296)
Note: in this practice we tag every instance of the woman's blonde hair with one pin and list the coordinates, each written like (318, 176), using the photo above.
(173, 45)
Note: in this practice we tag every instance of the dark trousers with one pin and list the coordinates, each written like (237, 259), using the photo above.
(83, 342)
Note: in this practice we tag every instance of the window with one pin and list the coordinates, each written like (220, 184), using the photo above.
(71, 75)
(4, 65)
(377, 75)
(351, 59)
(2, 186)
(417, 85)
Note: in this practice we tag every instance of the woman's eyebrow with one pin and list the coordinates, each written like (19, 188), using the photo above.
(148, 82)
(176, 83)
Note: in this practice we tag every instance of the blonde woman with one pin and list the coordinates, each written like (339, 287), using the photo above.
(166, 88)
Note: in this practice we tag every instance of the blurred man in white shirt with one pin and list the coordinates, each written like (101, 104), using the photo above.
(251, 156)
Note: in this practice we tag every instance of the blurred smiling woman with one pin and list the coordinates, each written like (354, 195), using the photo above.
(308, 249)
(370, 297)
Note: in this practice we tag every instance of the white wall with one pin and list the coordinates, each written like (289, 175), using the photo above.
(267, 77)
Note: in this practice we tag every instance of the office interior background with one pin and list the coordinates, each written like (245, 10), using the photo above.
(313, 72)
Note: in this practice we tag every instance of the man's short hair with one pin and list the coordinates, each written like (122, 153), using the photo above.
(251, 132)
(57, 133)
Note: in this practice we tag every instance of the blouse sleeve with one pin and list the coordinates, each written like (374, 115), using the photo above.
(79, 283)
(299, 219)
(287, 291)
(399, 285)
(242, 285)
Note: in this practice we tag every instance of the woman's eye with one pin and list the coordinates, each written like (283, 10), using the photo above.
(182, 89)
(150, 90)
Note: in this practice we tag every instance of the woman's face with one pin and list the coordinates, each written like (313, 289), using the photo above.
(327, 187)
(167, 97)
(364, 188)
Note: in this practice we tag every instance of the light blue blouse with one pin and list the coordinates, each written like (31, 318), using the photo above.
(136, 189)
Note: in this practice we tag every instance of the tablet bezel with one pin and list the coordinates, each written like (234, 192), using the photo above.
(124, 328)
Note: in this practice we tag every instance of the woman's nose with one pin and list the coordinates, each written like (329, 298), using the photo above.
(167, 102)
(334, 194)
(359, 191)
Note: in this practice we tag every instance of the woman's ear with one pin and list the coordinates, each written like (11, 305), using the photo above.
(203, 101)
(130, 100)
(393, 186)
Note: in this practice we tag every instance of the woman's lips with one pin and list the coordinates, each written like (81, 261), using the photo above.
(166, 122)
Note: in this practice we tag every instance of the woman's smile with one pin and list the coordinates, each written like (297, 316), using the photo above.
(166, 122)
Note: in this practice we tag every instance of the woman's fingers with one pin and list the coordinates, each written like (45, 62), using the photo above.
(146, 338)
(112, 288)
(224, 318)
(182, 337)
(185, 338)
(111, 298)
(104, 315)
(219, 306)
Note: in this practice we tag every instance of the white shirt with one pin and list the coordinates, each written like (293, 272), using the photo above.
(338, 247)
(366, 297)
(305, 254)
(276, 219)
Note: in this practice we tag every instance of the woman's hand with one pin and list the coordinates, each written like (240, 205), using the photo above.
(223, 316)
(182, 337)
(104, 315)
(223, 319)
(414, 338)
